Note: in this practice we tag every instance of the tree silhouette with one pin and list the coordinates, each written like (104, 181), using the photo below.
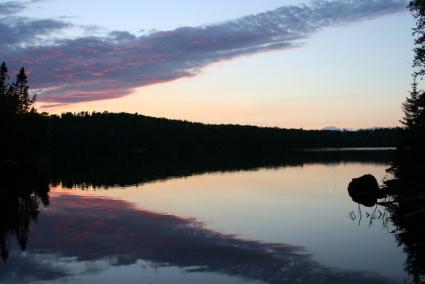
(417, 7)
(414, 106)
(21, 128)
(4, 94)
(15, 98)
(20, 92)
(409, 167)
(407, 208)
(410, 107)
(414, 117)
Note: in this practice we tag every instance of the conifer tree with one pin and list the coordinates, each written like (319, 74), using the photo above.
(14, 98)
(3, 89)
(3, 78)
(414, 106)
(417, 7)
(20, 93)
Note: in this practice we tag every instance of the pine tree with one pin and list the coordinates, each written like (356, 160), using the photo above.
(14, 98)
(3, 89)
(20, 93)
(3, 78)
(417, 7)
(414, 106)
(411, 107)
(409, 166)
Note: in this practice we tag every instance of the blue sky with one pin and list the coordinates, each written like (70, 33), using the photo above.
(343, 63)
(134, 16)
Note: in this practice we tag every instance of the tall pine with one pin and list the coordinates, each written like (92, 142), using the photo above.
(20, 93)
(14, 98)
(414, 106)
(409, 166)
(3, 89)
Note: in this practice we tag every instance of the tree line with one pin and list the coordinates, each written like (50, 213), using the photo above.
(27, 133)
(104, 133)
(409, 166)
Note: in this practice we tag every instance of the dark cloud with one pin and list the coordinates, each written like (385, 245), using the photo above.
(8, 8)
(96, 68)
(21, 31)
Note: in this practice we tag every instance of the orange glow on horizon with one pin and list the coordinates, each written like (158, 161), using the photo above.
(218, 96)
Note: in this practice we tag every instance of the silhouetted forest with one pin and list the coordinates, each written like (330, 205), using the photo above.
(113, 135)
(118, 133)
(29, 135)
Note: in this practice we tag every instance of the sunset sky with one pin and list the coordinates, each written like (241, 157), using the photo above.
(296, 64)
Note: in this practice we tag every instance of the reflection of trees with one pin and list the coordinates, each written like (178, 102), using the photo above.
(103, 172)
(21, 191)
(406, 211)
(408, 215)
(408, 207)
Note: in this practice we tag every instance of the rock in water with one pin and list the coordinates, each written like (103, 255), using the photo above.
(364, 190)
(363, 185)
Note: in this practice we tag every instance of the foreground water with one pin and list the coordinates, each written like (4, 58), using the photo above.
(291, 224)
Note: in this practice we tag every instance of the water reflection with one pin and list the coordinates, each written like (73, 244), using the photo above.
(93, 229)
(99, 172)
(21, 190)
(408, 217)
(94, 236)
(408, 207)
(405, 212)
(378, 215)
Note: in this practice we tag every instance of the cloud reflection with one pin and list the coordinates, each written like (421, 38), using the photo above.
(94, 229)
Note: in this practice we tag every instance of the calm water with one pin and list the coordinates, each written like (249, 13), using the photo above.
(280, 225)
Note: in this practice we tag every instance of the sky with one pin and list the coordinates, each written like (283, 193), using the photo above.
(293, 64)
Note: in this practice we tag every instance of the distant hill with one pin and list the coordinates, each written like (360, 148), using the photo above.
(116, 135)
(334, 128)
(123, 132)
(331, 128)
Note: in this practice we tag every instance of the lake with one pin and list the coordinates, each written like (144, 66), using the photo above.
(288, 223)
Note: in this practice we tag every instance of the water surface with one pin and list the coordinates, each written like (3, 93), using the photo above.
(264, 225)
